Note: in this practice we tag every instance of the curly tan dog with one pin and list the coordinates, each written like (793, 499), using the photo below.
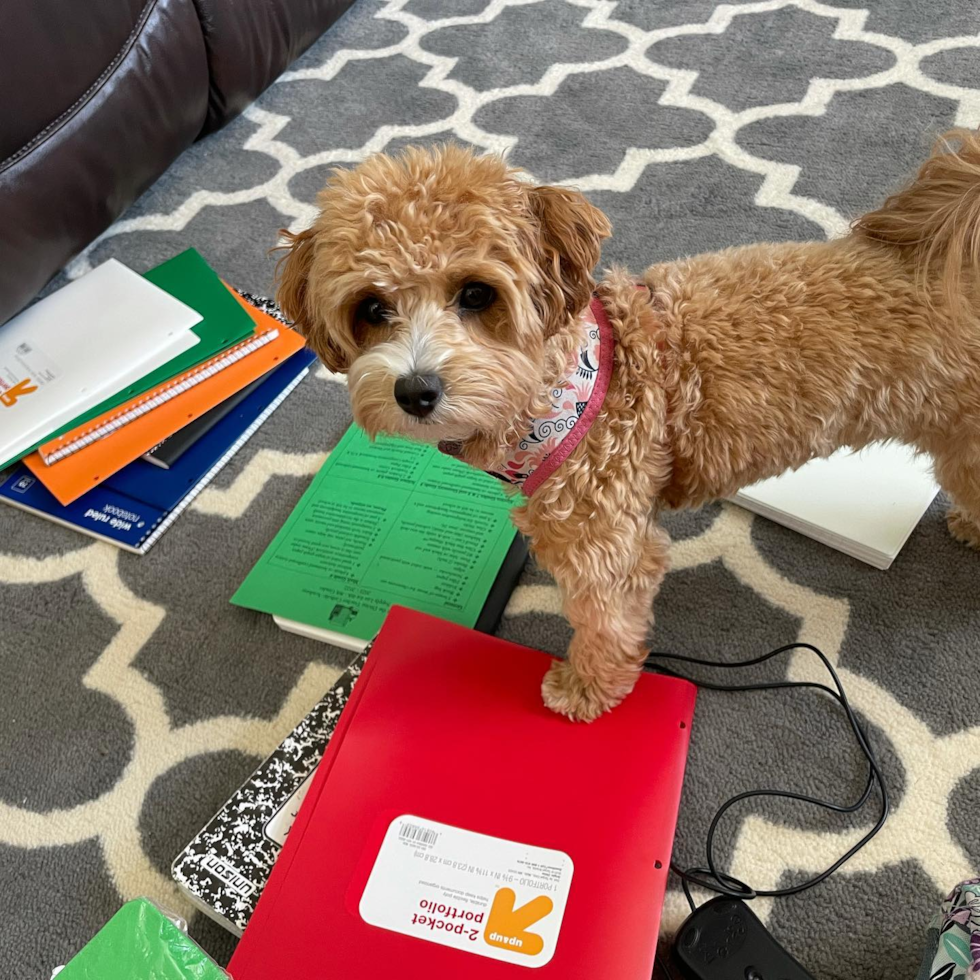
(458, 298)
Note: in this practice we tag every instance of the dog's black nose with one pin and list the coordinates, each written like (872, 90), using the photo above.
(418, 394)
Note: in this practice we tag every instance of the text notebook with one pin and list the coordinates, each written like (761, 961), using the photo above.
(457, 828)
(388, 522)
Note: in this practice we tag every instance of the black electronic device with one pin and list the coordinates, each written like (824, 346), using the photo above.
(725, 940)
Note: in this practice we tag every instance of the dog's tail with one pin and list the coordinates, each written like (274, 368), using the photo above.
(936, 219)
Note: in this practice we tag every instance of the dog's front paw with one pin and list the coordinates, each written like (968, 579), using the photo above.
(963, 527)
(567, 694)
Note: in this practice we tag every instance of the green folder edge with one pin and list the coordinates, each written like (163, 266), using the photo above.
(140, 943)
(224, 323)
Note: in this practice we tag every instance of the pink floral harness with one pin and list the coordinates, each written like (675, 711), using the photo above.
(576, 402)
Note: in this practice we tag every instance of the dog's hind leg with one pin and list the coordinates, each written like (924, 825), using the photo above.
(958, 473)
(609, 585)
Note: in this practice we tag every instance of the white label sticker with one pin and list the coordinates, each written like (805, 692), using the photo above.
(278, 826)
(23, 370)
(476, 893)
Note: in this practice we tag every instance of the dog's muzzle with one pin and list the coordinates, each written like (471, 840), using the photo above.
(418, 394)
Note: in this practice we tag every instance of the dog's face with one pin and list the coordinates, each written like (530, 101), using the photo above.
(444, 286)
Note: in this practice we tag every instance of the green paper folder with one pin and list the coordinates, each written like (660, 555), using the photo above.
(384, 523)
(225, 322)
(140, 943)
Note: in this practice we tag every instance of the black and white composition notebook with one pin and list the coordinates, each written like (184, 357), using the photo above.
(225, 867)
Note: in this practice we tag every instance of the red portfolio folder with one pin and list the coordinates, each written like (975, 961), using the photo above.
(457, 828)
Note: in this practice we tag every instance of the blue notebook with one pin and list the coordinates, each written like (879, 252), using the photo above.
(135, 506)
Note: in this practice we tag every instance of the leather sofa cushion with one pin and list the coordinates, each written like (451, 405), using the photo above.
(251, 43)
(73, 178)
(55, 52)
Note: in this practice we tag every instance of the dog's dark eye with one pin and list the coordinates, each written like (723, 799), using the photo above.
(372, 311)
(476, 296)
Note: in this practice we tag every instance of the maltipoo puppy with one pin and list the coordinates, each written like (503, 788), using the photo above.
(459, 300)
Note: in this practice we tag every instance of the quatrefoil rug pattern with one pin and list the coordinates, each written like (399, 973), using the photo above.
(135, 698)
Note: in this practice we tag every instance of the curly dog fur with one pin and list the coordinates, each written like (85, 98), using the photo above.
(731, 367)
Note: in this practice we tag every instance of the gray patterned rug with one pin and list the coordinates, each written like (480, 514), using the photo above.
(135, 698)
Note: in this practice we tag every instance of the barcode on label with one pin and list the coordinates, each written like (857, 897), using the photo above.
(417, 834)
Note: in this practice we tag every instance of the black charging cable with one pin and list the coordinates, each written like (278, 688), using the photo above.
(709, 877)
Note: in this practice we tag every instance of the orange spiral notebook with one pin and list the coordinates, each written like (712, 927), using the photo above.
(72, 476)
(104, 425)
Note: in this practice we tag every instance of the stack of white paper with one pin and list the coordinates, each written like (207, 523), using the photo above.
(865, 504)
(91, 339)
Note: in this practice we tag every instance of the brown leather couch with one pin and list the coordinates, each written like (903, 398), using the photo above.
(98, 97)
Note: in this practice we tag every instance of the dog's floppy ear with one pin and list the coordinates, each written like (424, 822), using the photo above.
(292, 275)
(293, 297)
(571, 235)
